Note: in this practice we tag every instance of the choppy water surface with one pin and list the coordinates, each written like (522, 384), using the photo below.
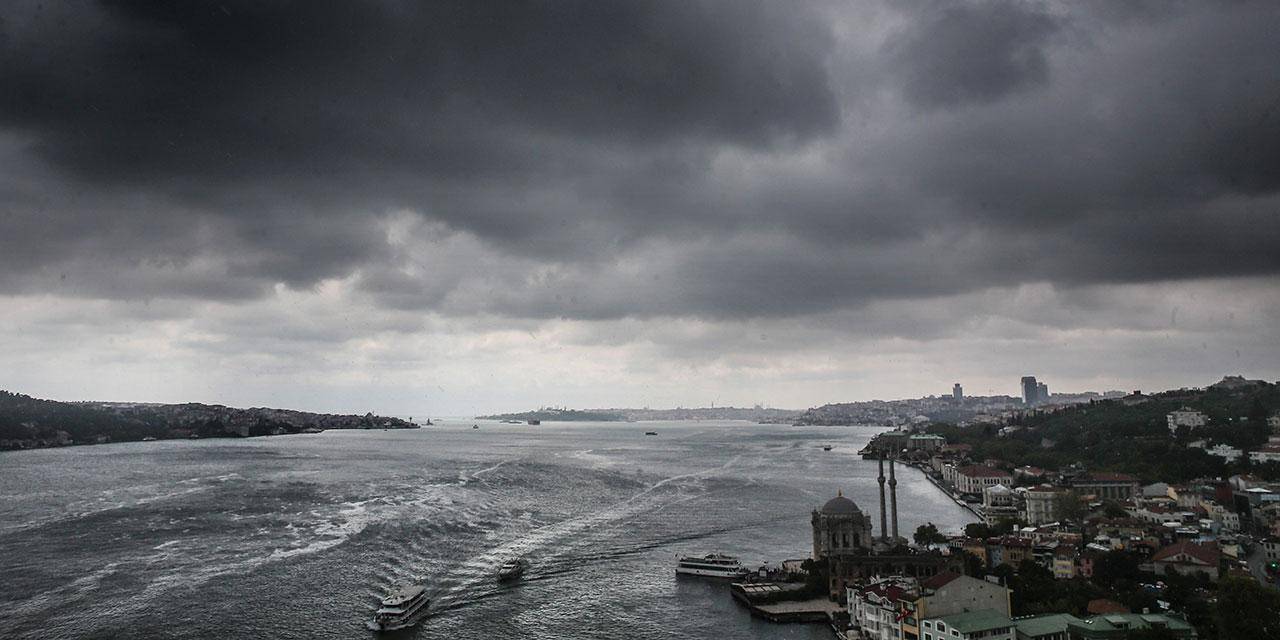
(298, 536)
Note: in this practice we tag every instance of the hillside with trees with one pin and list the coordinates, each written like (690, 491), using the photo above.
(1131, 434)
(27, 422)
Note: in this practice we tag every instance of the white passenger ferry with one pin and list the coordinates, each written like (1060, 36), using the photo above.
(714, 565)
(400, 608)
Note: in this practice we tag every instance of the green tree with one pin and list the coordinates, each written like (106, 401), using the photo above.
(1110, 569)
(928, 534)
(1113, 509)
(978, 530)
(1247, 611)
(1068, 508)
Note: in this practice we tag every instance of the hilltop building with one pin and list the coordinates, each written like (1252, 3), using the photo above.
(1185, 417)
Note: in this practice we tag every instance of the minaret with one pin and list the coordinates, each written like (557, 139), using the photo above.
(884, 530)
(893, 500)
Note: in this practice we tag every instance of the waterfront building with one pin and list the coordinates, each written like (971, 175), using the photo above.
(842, 537)
(928, 442)
(971, 625)
(874, 608)
(974, 478)
(999, 503)
(1185, 417)
(840, 527)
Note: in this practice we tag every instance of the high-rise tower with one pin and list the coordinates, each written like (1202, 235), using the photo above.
(1030, 391)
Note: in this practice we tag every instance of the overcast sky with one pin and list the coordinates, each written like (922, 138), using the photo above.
(420, 208)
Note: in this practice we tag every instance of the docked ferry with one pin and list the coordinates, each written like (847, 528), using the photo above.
(400, 608)
(713, 565)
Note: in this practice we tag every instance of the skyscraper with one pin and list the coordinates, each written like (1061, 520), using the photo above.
(1030, 391)
(1042, 392)
(957, 392)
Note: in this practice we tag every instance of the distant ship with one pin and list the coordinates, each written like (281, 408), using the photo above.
(651, 433)
(715, 565)
(512, 569)
(535, 421)
(826, 447)
(400, 607)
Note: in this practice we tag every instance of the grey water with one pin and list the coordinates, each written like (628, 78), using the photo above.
(299, 536)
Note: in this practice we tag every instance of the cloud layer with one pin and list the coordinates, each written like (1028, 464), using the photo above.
(652, 179)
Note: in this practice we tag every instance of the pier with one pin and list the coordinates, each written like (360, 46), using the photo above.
(764, 600)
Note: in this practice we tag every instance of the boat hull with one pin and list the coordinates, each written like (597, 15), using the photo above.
(710, 573)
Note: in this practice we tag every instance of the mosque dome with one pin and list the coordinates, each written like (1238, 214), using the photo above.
(840, 504)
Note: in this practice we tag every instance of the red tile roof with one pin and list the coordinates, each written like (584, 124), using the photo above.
(889, 592)
(940, 580)
(1102, 605)
(1203, 554)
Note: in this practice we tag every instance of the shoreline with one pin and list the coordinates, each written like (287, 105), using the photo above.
(928, 476)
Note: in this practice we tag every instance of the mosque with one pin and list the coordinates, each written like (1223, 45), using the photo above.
(843, 537)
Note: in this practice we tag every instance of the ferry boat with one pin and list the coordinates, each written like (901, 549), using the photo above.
(715, 565)
(651, 433)
(826, 447)
(512, 569)
(400, 608)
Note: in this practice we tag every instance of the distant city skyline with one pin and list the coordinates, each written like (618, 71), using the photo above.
(609, 204)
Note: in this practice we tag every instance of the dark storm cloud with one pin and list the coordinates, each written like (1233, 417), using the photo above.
(228, 89)
(601, 160)
(956, 52)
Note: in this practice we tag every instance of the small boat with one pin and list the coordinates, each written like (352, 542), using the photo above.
(400, 608)
(512, 569)
(714, 565)
(535, 422)
(651, 433)
(475, 426)
(826, 447)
